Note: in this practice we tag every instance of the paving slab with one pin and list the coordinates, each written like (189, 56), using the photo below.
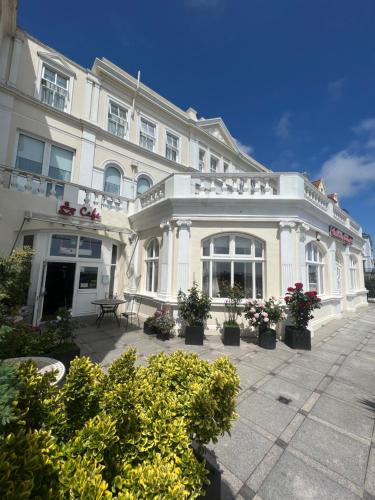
(333, 449)
(249, 374)
(314, 363)
(263, 360)
(278, 386)
(293, 479)
(301, 375)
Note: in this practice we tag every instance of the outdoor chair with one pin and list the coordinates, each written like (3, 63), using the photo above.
(132, 310)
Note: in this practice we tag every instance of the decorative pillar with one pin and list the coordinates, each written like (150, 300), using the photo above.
(302, 230)
(15, 62)
(134, 275)
(183, 225)
(335, 286)
(165, 261)
(286, 254)
(346, 266)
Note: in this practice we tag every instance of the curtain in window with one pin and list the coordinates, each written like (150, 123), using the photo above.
(30, 154)
(112, 180)
(60, 165)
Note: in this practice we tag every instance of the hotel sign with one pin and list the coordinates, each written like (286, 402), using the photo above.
(339, 235)
(70, 209)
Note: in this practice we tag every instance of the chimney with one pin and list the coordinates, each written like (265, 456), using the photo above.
(192, 114)
(334, 197)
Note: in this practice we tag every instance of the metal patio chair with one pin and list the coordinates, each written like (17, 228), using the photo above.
(132, 310)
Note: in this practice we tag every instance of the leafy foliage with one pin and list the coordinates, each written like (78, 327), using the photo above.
(124, 435)
(8, 394)
(19, 339)
(234, 295)
(301, 304)
(195, 307)
(63, 327)
(370, 285)
(265, 314)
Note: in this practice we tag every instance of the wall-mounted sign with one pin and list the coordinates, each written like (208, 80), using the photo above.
(69, 209)
(339, 235)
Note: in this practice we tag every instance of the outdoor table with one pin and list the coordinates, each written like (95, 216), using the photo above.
(108, 306)
(43, 365)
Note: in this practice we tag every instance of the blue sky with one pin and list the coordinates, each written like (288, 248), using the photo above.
(294, 80)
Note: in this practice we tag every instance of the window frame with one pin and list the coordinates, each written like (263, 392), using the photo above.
(76, 256)
(154, 264)
(233, 258)
(119, 170)
(152, 122)
(145, 176)
(217, 158)
(353, 272)
(125, 108)
(65, 72)
(203, 162)
(172, 148)
(319, 264)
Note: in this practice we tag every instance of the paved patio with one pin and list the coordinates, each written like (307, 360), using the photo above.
(306, 419)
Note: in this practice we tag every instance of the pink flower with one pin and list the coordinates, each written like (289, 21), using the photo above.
(252, 310)
(264, 314)
(256, 315)
(266, 320)
(283, 315)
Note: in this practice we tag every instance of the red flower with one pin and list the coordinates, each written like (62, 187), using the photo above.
(318, 299)
(290, 289)
(298, 286)
(287, 299)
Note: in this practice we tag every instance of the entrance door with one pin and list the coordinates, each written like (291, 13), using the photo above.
(58, 288)
(86, 289)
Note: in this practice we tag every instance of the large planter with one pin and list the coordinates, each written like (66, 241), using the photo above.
(231, 335)
(163, 335)
(65, 353)
(149, 328)
(267, 338)
(213, 489)
(298, 338)
(194, 335)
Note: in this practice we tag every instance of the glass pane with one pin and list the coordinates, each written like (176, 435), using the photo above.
(220, 278)
(49, 75)
(258, 246)
(88, 277)
(221, 245)
(243, 246)
(309, 252)
(63, 245)
(59, 101)
(156, 272)
(149, 276)
(143, 185)
(206, 277)
(62, 81)
(90, 248)
(243, 276)
(321, 279)
(206, 248)
(112, 181)
(114, 254)
(60, 166)
(313, 277)
(28, 240)
(258, 280)
(156, 248)
(30, 154)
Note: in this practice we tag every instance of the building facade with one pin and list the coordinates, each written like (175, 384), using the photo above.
(368, 254)
(119, 191)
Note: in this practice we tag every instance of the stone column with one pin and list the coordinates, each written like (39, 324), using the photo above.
(15, 62)
(335, 289)
(302, 230)
(165, 261)
(286, 254)
(183, 225)
(133, 274)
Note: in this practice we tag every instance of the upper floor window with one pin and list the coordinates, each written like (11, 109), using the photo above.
(353, 272)
(202, 160)
(226, 167)
(152, 265)
(233, 259)
(147, 135)
(172, 147)
(143, 184)
(214, 163)
(112, 180)
(315, 268)
(117, 120)
(54, 88)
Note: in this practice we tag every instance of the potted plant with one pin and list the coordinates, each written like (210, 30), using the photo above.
(194, 309)
(234, 294)
(164, 324)
(300, 305)
(265, 315)
(149, 325)
(65, 349)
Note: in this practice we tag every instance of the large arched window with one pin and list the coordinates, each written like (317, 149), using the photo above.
(353, 272)
(143, 184)
(152, 265)
(315, 268)
(112, 180)
(233, 259)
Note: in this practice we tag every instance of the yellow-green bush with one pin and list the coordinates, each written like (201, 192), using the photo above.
(124, 435)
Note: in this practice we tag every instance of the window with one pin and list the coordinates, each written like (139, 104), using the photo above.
(66, 245)
(315, 268)
(233, 259)
(54, 88)
(117, 120)
(214, 162)
(202, 160)
(353, 272)
(44, 158)
(28, 241)
(152, 265)
(143, 184)
(113, 270)
(171, 147)
(88, 278)
(226, 167)
(112, 180)
(147, 135)
(89, 248)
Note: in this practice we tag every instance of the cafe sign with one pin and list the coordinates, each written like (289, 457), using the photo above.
(69, 209)
(339, 235)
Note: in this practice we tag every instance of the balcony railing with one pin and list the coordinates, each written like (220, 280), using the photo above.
(47, 187)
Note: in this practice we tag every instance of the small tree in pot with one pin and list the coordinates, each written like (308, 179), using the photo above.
(265, 315)
(300, 304)
(234, 295)
(194, 308)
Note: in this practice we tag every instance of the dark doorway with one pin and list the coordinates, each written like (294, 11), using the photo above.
(59, 287)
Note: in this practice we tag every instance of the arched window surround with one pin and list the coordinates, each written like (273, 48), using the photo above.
(114, 173)
(233, 257)
(315, 256)
(152, 250)
(145, 178)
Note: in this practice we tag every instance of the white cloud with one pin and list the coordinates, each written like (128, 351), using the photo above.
(246, 148)
(335, 89)
(282, 128)
(367, 128)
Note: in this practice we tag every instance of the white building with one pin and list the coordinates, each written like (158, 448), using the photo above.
(368, 254)
(120, 191)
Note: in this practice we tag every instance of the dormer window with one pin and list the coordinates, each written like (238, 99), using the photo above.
(147, 135)
(172, 147)
(54, 88)
(117, 120)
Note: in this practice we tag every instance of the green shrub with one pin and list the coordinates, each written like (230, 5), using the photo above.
(19, 339)
(370, 285)
(194, 307)
(8, 394)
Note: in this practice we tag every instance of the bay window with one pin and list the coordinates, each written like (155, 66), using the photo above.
(172, 147)
(315, 268)
(152, 266)
(233, 259)
(54, 88)
(147, 134)
(117, 120)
